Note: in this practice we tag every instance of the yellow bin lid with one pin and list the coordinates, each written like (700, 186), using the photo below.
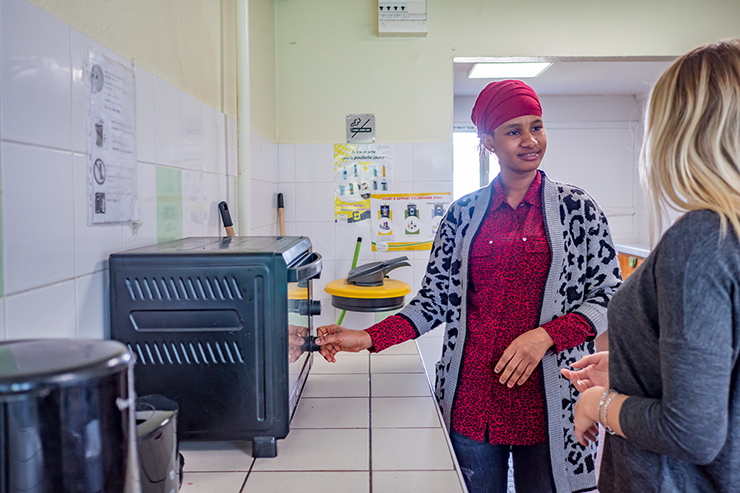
(389, 296)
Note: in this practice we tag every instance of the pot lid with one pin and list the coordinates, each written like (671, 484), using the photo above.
(27, 365)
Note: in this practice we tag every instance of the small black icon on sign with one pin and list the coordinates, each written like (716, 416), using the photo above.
(99, 171)
(358, 127)
(99, 203)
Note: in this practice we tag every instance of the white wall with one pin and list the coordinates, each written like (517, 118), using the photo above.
(55, 266)
(593, 142)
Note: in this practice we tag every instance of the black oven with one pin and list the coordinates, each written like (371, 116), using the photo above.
(221, 326)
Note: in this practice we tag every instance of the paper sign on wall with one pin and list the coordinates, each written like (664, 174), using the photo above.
(359, 170)
(406, 221)
(112, 196)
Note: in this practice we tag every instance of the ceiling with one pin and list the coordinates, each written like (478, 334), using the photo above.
(614, 76)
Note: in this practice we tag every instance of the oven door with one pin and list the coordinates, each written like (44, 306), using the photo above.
(301, 307)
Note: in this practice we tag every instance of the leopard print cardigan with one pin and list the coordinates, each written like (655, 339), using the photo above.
(584, 273)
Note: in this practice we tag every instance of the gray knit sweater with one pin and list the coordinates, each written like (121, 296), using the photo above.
(674, 339)
(583, 275)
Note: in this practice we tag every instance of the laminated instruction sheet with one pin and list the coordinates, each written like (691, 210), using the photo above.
(406, 221)
(112, 195)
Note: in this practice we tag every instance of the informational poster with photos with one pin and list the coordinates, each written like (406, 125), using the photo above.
(406, 221)
(359, 171)
(112, 193)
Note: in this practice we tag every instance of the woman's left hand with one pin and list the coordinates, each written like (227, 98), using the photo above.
(522, 356)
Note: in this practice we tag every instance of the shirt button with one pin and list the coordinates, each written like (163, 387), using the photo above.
(490, 242)
(524, 239)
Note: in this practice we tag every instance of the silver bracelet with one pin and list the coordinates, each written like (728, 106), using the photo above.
(606, 409)
(601, 403)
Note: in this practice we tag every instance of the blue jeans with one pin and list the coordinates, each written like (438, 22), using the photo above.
(485, 466)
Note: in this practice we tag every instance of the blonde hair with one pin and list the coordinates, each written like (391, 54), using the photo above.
(691, 155)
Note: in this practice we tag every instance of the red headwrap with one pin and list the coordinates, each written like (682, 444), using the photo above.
(502, 101)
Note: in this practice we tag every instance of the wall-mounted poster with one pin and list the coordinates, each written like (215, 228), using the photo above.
(112, 196)
(406, 221)
(360, 170)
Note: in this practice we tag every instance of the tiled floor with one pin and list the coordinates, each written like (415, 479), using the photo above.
(365, 424)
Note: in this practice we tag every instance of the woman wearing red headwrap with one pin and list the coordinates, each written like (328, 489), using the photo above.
(521, 272)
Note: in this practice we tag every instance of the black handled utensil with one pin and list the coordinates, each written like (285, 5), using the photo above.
(226, 218)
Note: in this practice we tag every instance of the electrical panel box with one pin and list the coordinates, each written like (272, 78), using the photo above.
(402, 18)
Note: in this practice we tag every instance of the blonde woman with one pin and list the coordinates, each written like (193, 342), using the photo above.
(671, 397)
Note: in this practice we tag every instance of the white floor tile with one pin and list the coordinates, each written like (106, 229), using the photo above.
(308, 482)
(404, 412)
(208, 482)
(408, 347)
(400, 385)
(410, 449)
(336, 386)
(351, 412)
(346, 363)
(416, 482)
(217, 456)
(396, 363)
(319, 450)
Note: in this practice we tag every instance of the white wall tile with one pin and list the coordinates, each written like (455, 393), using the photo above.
(145, 233)
(35, 92)
(314, 201)
(93, 244)
(314, 163)
(403, 163)
(38, 216)
(346, 240)
(432, 186)
(358, 320)
(78, 45)
(93, 306)
(191, 132)
(231, 155)
(3, 335)
(403, 187)
(214, 192)
(433, 161)
(321, 235)
(192, 204)
(213, 141)
(286, 163)
(166, 123)
(256, 164)
(269, 201)
(270, 160)
(289, 200)
(420, 270)
(145, 142)
(25, 319)
(327, 275)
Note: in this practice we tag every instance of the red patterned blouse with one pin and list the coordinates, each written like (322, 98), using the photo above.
(508, 266)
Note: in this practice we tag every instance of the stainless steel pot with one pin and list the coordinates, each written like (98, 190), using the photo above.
(67, 417)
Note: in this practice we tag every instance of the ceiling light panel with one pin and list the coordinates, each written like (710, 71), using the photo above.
(507, 70)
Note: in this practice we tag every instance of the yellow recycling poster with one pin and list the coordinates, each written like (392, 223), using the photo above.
(406, 221)
(359, 170)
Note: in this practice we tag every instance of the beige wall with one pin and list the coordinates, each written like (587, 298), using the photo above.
(262, 94)
(189, 43)
(330, 61)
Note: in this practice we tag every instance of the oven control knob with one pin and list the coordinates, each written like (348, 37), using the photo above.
(310, 307)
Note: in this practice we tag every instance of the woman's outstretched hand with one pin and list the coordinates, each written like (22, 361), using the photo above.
(592, 370)
(333, 339)
(522, 357)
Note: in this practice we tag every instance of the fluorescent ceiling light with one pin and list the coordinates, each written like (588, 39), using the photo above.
(517, 70)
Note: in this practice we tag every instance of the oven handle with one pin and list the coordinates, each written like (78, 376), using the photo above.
(310, 268)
